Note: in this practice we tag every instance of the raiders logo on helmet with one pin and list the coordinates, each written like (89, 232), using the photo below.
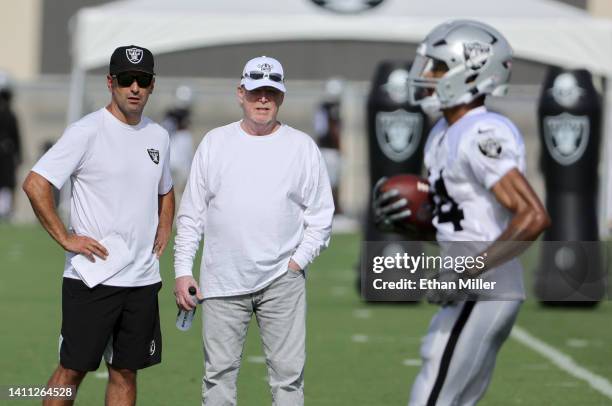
(476, 54)
(134, 55)
(566, 137)
(347, 6)
(398, 133)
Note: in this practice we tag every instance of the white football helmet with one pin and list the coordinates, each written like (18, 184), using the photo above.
(475, 60)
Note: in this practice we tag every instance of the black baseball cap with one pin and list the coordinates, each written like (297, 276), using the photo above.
(131, 58)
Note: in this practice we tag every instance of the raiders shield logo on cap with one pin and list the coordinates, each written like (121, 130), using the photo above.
(134, 55)
(154, 155)
(265, 67)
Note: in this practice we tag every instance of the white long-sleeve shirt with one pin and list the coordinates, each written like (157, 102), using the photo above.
(259, 201)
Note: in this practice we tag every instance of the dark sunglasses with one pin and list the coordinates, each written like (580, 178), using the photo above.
(125, 79)
(256, 75)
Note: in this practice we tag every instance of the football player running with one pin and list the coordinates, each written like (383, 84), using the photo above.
(476, 162)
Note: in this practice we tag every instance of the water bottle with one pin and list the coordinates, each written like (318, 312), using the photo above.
(185, 318)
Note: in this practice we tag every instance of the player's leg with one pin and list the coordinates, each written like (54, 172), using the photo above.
(136, 343)
(121, 388)
(459, 352)
(490, 327)
(88, 317)
(225, 322)
(281, 316)
(447, 321)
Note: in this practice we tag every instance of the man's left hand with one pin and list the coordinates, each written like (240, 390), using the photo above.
(161, 240)
(294, 266)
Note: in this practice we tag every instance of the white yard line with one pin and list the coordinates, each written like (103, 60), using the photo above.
(339, 290)
(360, 338)
(256, 359)
(412, 362)
(362, 313)
(563, 361)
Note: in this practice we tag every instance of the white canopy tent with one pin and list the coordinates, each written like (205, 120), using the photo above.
(539, 30)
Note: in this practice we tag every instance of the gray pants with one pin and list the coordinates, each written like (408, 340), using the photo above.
(280, 309)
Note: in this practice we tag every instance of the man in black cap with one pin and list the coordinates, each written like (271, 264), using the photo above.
(122, 206)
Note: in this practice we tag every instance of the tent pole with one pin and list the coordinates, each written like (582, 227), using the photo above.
(77, 95)
(75, 110)
(605, 189)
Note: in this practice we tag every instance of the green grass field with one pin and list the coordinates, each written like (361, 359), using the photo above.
(358, 353)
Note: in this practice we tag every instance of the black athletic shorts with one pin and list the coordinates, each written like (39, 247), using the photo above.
(119, 323)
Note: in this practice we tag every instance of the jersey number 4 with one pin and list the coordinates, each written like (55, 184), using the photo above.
(446, 208)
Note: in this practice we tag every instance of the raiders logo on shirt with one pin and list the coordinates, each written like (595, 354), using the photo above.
(154, 155)
(490, 147)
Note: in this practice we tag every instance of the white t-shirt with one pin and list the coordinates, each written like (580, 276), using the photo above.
(259, 201)
(117, 172)
(464, 161)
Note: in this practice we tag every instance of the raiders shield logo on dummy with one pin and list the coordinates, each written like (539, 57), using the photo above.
(347, 6)
(396, 86)
(134, 55)
(566, 137)
(566, 90)
(154, 155)
(398, 133)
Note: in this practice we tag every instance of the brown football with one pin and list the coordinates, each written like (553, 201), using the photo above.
(417, 191)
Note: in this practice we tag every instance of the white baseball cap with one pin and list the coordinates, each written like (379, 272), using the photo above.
(263, 71)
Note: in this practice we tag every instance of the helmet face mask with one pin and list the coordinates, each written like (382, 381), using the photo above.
(458, 62)
(424, 79)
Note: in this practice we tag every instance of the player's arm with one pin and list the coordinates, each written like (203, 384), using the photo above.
(529, 219)
(166, 205)
(40, 192)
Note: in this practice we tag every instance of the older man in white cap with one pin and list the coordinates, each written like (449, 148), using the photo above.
(259, 193)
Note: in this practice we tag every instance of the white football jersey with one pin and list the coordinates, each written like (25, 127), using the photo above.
(463, 162)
